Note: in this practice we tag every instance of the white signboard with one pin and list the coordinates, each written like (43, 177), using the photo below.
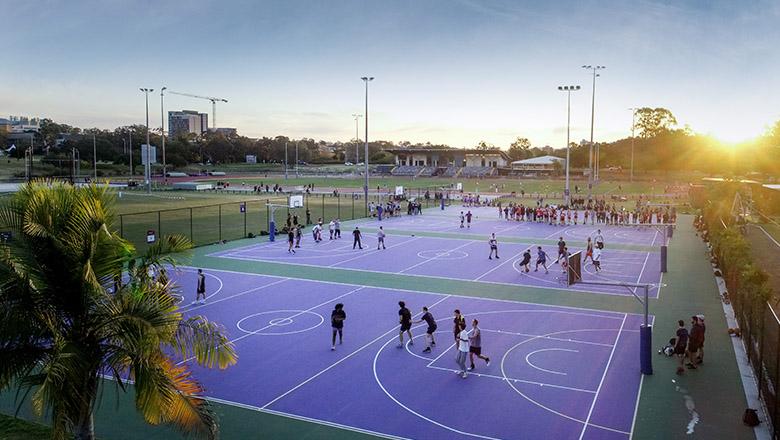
(459, 186)
(251, 158)
(399, 190)
(144, 149)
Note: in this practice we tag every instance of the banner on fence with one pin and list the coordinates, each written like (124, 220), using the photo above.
(151, 236)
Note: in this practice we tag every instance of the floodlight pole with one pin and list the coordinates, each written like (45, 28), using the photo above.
(366, 79)
(568, 90)
(591, 159)
(148, 162)
(296, 159)
(94, 155)
(130, 141)
(633, 126)
(162, 132)
(285, 161)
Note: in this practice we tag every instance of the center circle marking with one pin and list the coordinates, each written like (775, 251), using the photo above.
(288, 319)
(442, 254)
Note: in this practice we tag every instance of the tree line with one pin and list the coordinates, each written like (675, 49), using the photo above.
(659, 145)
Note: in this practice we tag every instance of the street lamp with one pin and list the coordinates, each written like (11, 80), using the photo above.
(366, 79)
(94, 155)
(357, 116)
(147, 162)
(633, 125)
(591, 157)
(162, 132)
(568, 90)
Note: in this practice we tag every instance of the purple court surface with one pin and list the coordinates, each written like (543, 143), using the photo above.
(485, 221)
(555, 372)
(459, 259)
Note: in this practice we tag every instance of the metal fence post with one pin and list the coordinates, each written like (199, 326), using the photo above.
(159, 224)
(192, 235)
(246, 205)
(775, 419)
(323, 207)
(353, 206)
(122, 226)
(338, 205)
(220, 222)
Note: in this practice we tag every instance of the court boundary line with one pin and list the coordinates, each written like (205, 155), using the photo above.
(636, 407)
(548, 308)
(603, 376)
(303, 418)
(435, 293)
(299, 313)
(425, 276)
(325, 370)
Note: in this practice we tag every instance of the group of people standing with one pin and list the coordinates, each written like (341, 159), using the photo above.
(689, 344)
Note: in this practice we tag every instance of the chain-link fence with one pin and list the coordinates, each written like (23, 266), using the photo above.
(231, 221)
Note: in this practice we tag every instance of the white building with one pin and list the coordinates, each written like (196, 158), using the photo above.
(541, 164)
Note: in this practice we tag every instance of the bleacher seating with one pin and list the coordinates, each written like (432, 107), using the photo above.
(477, 171)
(451, 171)
(406, 170)
(427, 171)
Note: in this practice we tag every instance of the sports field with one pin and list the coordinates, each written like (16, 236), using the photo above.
(564, 359)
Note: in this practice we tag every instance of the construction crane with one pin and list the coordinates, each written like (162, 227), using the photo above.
(213, 104)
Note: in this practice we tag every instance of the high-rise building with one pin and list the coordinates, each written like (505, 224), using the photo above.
(187, 121)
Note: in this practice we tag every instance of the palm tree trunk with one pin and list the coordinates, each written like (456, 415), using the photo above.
(85, 427)
(85, 430)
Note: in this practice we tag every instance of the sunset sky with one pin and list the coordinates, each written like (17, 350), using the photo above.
(453, 72)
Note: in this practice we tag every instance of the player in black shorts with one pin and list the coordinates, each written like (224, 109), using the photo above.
(405, 319)
(428, 318)
(526, 261)
(337, 317)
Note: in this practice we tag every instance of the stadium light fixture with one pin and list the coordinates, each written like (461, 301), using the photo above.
(568, 90)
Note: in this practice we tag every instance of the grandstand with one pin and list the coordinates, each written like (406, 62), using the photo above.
(448, 162)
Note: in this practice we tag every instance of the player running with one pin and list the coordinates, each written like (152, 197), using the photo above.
(428, 318)
(541, 258)
(290, 240)
(475, 344)
(405, 319)
(468, 219)
(526, 260)
(596, 259)
(200, 291)
(493, 246)
(561, 249)
(588, 250)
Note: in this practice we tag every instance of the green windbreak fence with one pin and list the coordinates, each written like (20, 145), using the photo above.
(231, 221)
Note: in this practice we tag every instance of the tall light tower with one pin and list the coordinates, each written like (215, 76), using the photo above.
(366, 79)
(568, 90)
(147, 162)
(592, 158)
(357, 116)
(162, 132)
(633, 125)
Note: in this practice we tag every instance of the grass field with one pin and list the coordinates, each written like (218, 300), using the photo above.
(469, 185)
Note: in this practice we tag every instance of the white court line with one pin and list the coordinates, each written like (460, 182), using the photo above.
(303, 418)
(639, 278)
(654, 237)
(210, 303)
(599, 292)
(603, 376)
(434, 258)
(530, 382)
(256, 332)
(559, 233)
(510, 260)
(578, 310)
(769, 235)
(383, 335)
(636, 407)
(372, 252)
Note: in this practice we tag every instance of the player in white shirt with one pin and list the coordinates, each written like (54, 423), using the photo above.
(380, 237)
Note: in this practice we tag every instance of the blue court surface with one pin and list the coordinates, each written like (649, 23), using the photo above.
(555, 372)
